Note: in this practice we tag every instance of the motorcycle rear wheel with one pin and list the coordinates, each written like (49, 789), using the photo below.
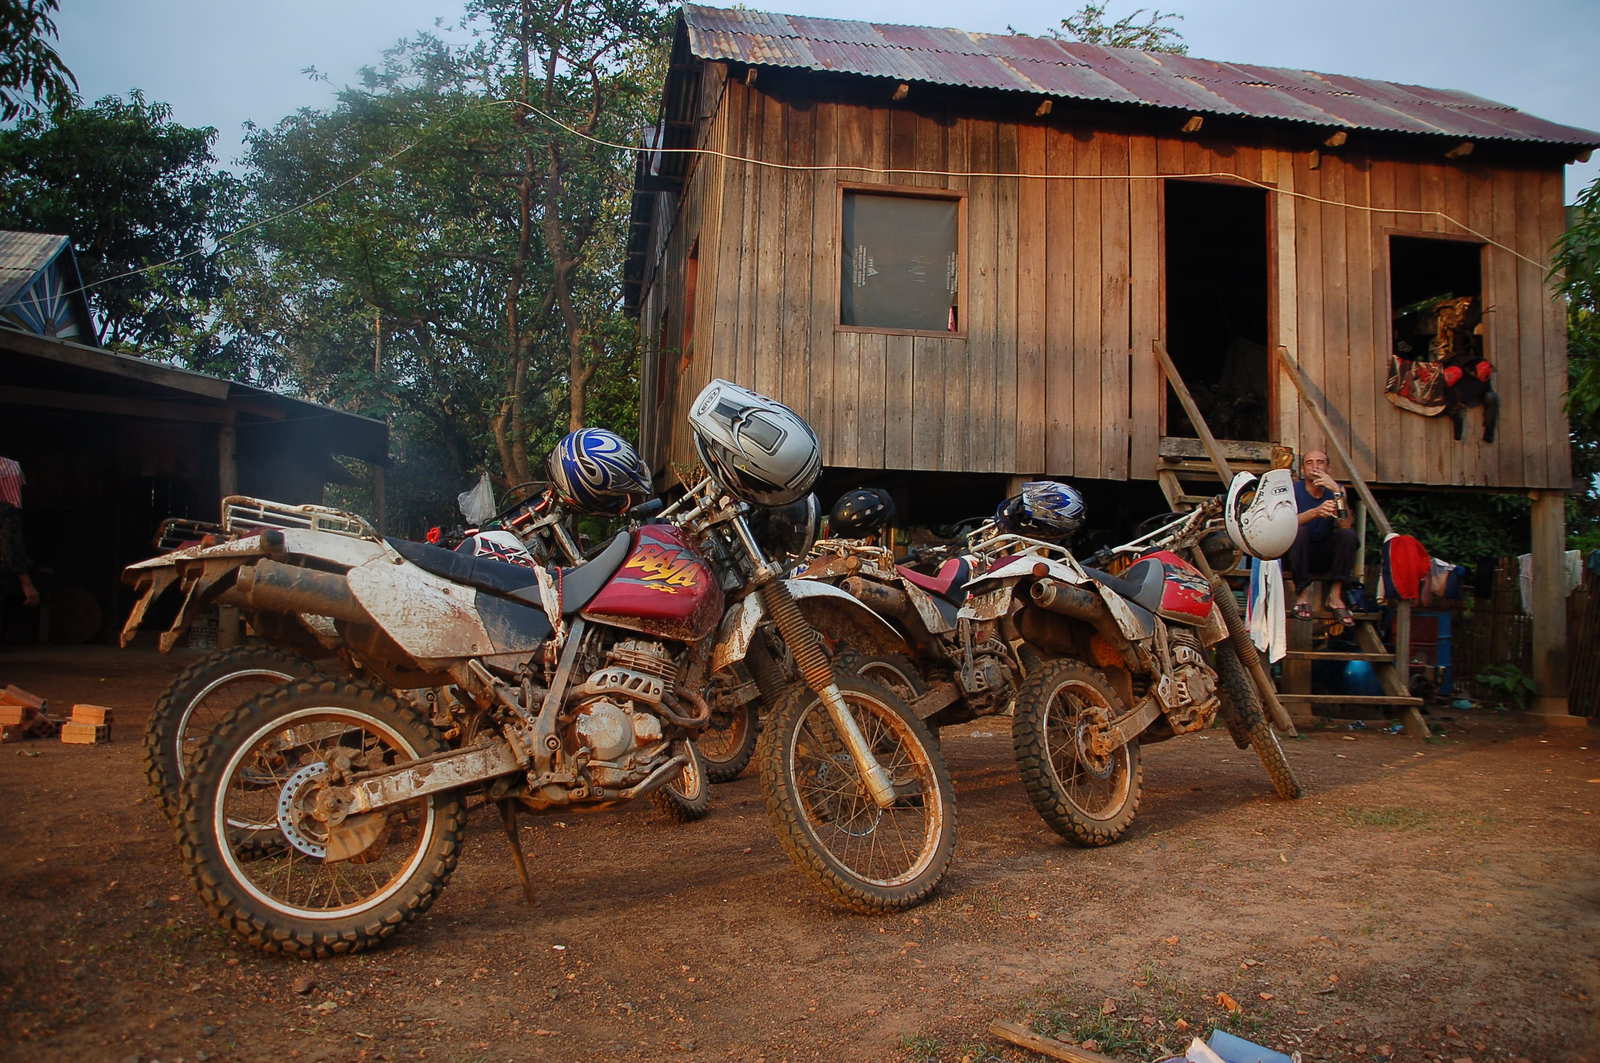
(1087, 801)
(687, 797)
(202, 695)
(729, 742)
(1241, 701)
(266, 761)
(867, 858)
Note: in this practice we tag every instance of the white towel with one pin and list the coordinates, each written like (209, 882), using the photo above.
(1264, 609)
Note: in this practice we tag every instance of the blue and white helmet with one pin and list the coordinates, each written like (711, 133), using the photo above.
(1044, 510)
(599, 472)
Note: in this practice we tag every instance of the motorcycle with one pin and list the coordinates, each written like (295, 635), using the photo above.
(572, 689)
(1125, 663)
(530, 531)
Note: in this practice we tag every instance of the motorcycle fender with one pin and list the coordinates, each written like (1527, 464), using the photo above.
(1023, 566)
(1127, 621)
(429, 618)
(923, 603)
(991, 604)
(740, 623)
(335, 549)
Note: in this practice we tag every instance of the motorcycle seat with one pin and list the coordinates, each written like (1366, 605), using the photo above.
(949, 583)
(578, 584)
(1142, 584)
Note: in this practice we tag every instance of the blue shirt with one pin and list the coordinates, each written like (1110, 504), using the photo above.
(1318, 528)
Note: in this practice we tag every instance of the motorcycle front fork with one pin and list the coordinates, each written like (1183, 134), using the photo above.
(817, 671)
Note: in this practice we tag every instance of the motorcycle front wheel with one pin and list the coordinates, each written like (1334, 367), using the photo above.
(867, 858)
(266, 763)
(1086, 798)
(1242, 713)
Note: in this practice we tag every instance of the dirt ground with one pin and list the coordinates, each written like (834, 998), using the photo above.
(1425, 900)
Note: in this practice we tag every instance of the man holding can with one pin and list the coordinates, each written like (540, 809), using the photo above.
(1325, 548)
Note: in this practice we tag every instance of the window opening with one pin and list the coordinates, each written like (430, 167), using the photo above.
(1436, 296)
(1217, 293)
(900, 262)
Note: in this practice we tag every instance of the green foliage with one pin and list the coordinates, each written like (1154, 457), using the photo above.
(1575, 273)
(1506, 685)
(1461, 527)
(1154, 34)
(131, 188)
(31, 72)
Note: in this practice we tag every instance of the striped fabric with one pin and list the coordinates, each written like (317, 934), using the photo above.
(11, 481)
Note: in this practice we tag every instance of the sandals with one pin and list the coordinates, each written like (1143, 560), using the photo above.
(1301, 611)
(1342, 614)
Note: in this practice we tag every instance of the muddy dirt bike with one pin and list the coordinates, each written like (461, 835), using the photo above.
(1125, 663)
(959, 668)
(531, 531)
(578, 689)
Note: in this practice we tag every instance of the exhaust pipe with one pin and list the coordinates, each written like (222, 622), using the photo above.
(1081, 604)
(273, 587)
(890, 601)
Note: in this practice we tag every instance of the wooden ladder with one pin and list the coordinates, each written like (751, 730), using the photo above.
(1177, 463)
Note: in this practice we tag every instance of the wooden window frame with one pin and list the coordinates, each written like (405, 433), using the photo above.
(959, 197)
(1389, 233)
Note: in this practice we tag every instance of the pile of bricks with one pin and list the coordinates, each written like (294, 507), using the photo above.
(23, 715)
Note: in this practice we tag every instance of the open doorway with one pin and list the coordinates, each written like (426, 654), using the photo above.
(1217, 306)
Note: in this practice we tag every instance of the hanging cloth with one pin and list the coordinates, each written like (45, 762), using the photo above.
(1264, 609)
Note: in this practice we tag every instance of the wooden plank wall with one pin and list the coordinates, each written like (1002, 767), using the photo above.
(1064, 278)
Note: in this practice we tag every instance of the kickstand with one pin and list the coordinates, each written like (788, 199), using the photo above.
(508, 818)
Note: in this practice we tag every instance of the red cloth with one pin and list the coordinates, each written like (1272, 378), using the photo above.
(11, 482)
(1405, 566)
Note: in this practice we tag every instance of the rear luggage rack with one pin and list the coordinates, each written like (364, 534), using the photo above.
(175, 533)
(242, 515)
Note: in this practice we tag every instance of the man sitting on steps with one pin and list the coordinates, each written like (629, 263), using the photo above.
(1325, 548)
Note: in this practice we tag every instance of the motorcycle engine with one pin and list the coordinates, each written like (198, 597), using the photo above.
(1189, 690)
(611, 717)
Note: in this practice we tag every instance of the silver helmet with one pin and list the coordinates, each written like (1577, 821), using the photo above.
(757, 449)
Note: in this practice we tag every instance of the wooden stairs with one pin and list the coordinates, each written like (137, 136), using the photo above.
(1190, 471)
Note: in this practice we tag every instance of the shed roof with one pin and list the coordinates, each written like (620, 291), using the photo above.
(22, 256)
(1073, 70)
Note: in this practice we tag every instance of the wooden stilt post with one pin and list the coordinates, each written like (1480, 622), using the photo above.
(1550, 606)
(229, 628)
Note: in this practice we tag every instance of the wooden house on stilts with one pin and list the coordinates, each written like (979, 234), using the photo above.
(955, 252)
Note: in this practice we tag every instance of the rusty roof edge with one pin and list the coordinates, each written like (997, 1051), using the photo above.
(1472, 107)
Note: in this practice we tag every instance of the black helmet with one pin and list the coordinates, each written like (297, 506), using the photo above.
(1044, 510)
(787, 531)
(861, 512)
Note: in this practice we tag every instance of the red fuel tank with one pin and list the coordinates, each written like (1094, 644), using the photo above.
(1185, 593)
(663, 589)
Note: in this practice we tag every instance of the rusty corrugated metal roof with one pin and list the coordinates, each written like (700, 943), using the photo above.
(1073, 70)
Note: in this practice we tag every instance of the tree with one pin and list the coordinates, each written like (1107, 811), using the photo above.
(1153, 35)
(1575, 274)
(130, 188)
(31, 72)
(468, 284)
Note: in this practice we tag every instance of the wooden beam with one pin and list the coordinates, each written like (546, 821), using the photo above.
(229, 632)
(103, 361)
(750, 75)
(1460, 151)
(116, 405)
(901, 91)
(1020, 1035)
(1304, 387)
(1315, 162)
(1550, 604)
(1193, 124)
(1044, 107)
(1336, 140)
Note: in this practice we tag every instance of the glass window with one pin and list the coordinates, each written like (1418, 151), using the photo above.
(899, 262)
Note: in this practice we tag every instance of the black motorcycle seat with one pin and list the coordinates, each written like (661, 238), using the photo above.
(497, 577)
(578, 584)
(1143, 583)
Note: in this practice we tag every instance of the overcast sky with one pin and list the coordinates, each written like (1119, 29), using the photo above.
(224, 62)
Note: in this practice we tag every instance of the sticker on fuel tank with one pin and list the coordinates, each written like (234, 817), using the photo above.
(662, 568)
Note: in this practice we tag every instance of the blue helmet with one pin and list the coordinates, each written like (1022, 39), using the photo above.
(1044, 510)
(599, 472)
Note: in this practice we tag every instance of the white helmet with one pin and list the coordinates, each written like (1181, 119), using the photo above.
(757, 449)
(1261, 514)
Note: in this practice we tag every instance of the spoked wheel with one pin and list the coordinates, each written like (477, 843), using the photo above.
(727, 745)
(191, 707)
(895, 671)
(1086, 795)
(688, 796)
(869, 858)
(270, 761)
(1241, 712)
